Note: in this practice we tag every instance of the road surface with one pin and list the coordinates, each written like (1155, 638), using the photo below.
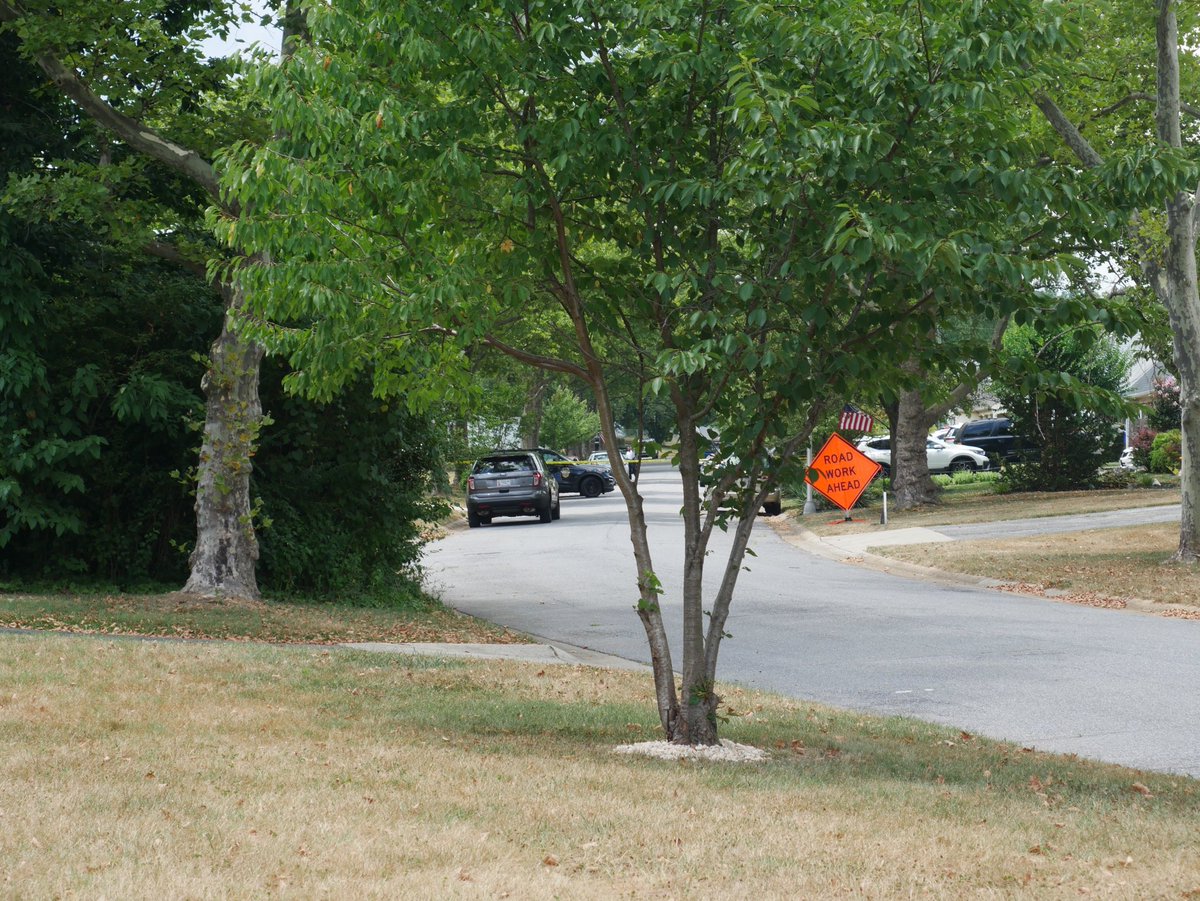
(1111, 685)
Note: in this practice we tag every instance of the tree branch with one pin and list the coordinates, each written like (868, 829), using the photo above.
(1067, 131)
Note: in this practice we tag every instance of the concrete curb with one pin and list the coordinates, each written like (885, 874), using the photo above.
(799, 536)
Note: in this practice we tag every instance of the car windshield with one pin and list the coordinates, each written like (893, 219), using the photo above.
(498, 465)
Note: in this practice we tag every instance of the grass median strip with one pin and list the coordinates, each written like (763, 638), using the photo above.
(1098, 565)
(167, 770)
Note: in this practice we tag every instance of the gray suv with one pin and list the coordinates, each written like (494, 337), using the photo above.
(510, 483)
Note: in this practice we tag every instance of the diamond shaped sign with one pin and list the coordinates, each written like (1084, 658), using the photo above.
(841, 472)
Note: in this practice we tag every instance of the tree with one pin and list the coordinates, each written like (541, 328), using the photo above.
(568, 421)
(742, 199)
(133, 68)
(1062, 391)
(1161, 171)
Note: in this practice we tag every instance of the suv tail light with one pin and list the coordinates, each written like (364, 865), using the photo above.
(470, 483)
(537, 480)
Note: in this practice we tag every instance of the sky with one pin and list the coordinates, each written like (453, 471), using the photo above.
(244, 36)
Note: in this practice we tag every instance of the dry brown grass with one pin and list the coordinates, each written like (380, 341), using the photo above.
(137, 770)
(182, 616)
(1124, 563)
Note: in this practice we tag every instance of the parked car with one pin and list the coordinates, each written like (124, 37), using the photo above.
(511, 483)
(942, 457)
(588, 478)
(994, 437)
(600, 457)
(773, 503)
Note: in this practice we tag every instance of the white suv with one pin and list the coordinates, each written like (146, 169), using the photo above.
(942, 457)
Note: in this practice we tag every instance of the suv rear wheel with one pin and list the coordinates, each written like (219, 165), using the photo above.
(962, 465)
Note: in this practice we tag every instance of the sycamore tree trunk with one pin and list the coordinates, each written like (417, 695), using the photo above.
(223, 561)
(1178, 290)
(1176, 283)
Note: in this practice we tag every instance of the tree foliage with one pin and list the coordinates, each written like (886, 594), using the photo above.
(1063, 393)
(567, 420)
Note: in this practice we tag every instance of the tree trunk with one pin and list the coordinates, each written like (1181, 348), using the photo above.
(698, 701)
(222, 563)
(1178, 290)
(531, 416)
(1176, 284)
(912, 485)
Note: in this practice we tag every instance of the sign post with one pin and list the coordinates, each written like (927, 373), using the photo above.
(841, 472)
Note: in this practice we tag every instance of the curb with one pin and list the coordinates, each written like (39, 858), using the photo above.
(800, 536)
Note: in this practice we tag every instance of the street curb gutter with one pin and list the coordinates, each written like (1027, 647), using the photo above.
(799, 536)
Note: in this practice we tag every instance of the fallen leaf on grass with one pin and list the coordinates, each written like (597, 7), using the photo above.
(550, 860)
(1141, 790)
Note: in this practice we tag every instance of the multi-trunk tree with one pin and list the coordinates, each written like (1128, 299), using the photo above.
(764, 210)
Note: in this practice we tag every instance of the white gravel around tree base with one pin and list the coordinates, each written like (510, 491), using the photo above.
(726, 750)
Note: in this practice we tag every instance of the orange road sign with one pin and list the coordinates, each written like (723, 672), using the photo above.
(841, 472)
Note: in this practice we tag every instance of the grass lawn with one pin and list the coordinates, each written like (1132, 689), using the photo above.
(158, 769)
(1103, 567)
(179, 616)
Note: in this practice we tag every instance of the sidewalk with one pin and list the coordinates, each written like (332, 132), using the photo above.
(1011, 528)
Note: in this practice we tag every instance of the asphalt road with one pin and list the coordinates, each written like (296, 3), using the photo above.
(1106, 684)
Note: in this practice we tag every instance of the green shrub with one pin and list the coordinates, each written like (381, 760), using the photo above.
(1166, 452)
(1116, 477)
(1062, 391)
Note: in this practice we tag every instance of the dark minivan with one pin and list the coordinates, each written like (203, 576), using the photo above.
(510, 483)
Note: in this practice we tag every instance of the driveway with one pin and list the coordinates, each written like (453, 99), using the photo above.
(1106, 684)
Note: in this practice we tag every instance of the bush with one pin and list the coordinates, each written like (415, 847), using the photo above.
(1165, 410)
(344, 487)
(1117, 477)
(1141, 442)
(1166, 451)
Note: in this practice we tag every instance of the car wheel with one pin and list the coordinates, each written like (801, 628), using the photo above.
(773, 508)
(590, 487)
(473, 519)
(885, 470)
(962, 466)
(556, 512)
(547, 514)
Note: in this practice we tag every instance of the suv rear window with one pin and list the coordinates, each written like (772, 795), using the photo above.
(975, 430)
(497, 465)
